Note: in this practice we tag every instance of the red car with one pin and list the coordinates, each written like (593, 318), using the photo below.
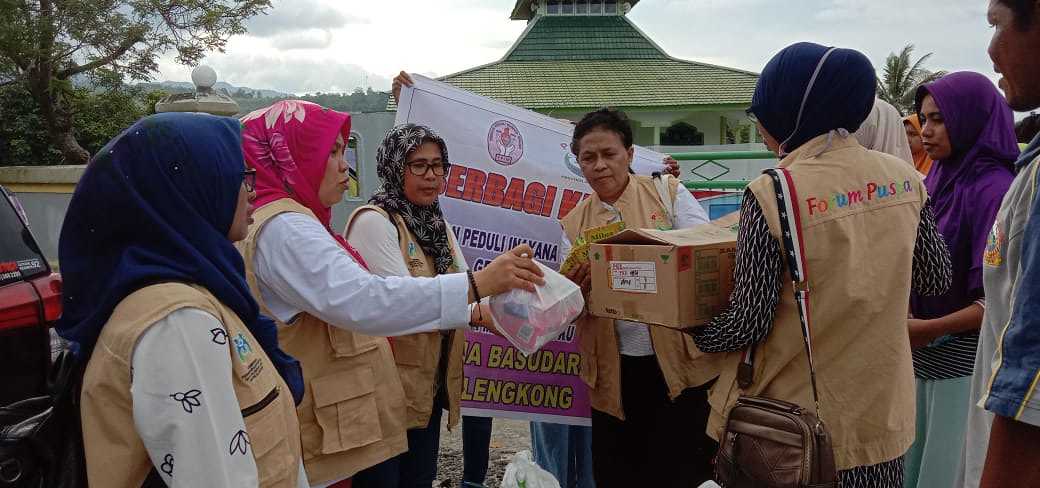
(30, 303)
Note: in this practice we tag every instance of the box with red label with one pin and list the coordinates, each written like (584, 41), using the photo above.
(675, 278)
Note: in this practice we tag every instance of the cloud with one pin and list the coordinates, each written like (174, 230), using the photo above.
(954, 31)
(502, 44)
(305, 39)
(295, 74)
(333, 45)
(289, 16)
(881, 12)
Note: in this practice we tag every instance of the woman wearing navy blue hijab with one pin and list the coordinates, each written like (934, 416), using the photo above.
(868, 239)
(184, 379)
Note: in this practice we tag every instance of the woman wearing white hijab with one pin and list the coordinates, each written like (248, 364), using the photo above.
(883, 132)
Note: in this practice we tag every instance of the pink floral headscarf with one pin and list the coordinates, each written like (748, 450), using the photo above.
(288, 145)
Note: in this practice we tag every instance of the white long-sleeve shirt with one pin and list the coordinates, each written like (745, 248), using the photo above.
(301, 268)
(184, 404)
(634, 337)
(375, 238)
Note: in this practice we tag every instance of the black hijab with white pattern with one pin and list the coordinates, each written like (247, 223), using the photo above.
(425, 222)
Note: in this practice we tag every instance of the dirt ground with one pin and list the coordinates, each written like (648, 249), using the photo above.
(507, 438)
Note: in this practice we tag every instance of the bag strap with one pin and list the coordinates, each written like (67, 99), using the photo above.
(794, 246)
(661, 183)
(794, 243)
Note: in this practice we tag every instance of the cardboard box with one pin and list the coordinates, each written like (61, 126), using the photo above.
(730, 221)
(676, 279)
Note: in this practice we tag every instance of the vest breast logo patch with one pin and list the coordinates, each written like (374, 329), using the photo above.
(242, 347)
(659, 222)
(995, 245)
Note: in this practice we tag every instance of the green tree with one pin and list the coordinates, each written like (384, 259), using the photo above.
(151, 98)
(901, 76)
(45, 43)
(101, 114)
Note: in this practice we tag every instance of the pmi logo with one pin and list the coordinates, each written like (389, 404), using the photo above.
(505, 144)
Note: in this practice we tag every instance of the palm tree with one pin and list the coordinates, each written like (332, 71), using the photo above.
(901, 78)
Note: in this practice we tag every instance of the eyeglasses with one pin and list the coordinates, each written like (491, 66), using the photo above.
(420, 169)
(249, 178)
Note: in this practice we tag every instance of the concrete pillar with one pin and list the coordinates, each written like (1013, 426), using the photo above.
(205, 99)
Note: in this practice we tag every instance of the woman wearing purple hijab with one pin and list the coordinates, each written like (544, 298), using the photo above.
(969, 132)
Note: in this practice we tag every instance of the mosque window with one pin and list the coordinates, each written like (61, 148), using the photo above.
(682, 134)
(581, 7)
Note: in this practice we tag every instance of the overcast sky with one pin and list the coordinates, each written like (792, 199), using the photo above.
(304, 46)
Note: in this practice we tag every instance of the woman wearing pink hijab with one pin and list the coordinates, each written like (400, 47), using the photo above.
(333, 315)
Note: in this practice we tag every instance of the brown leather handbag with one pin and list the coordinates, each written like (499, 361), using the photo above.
(770, 443)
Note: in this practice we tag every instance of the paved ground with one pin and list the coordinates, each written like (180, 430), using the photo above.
(507, 438)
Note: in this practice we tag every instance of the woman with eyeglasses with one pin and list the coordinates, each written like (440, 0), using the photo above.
(185, 384)
(333, 313)
(868, 238)
(402, 232)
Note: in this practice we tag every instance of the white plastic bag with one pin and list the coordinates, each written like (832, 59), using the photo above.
(530, 320)
(522, 472)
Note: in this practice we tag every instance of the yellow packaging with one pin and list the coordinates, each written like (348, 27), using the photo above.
(580, 251)
(602, 232)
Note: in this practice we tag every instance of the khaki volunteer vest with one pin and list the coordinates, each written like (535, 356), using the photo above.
(116, 456)
(860, 212)
(352, 414)
(418, 356)
(682, 364)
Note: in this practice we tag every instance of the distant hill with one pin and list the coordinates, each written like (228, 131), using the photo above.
(250, 99)
(185, 87)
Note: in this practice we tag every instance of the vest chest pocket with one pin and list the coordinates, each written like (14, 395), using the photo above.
(345, 408)
(268, 439)
(347, 344)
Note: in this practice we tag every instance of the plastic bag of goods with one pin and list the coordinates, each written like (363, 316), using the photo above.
(530, 320)
(522, 472)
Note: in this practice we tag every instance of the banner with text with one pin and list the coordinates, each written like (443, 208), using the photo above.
(512, 178)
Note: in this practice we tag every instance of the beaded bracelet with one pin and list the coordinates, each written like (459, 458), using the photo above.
(476, 294)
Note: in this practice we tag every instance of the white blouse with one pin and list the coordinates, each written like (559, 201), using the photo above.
(184, 404)
(301, 268)
(375, 238)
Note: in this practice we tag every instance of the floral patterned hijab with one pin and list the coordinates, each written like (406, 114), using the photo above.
(425, 222)
(288, 144)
